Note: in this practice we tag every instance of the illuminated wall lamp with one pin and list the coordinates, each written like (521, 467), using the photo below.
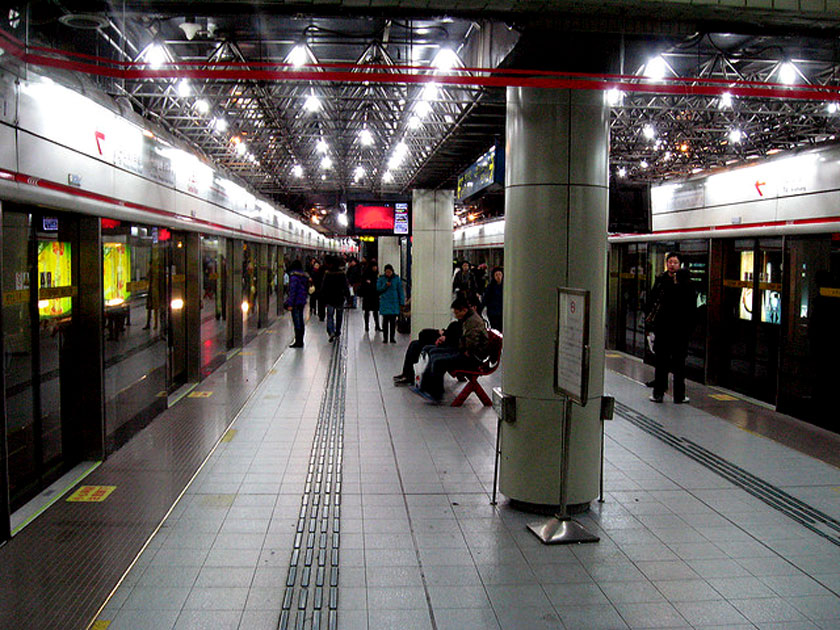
(176, 304)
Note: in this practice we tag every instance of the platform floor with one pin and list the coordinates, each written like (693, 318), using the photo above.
(705, 523)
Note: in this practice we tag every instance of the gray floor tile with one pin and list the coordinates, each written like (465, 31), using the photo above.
(145, 618)
(650, 615)
(156, 598)
(208, 620)
(687, 590)
(217, 598)
(399, 620)
(710, 613)
(767, 609)
(592, 617)
(466, 619)
(631, 592)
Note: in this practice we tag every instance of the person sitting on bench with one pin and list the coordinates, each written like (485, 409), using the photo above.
(429, 339)
(472, 350)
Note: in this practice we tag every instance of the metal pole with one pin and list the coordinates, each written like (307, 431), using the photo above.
(601, 483)
(496, 459)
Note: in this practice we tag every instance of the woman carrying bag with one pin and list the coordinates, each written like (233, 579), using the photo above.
(391, 298)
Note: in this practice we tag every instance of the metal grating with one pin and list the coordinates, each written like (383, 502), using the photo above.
(818, 522)
(311, 597)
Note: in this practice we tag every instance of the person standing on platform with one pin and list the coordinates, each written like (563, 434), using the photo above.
(463, 284)
(671, 313)
(492, 300)
(370, 296)
(472, 350)
(391, 298)
(296, 300)
(354, 278)
(316, 304)
(334, 293)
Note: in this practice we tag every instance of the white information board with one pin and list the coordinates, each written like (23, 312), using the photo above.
(571, 365)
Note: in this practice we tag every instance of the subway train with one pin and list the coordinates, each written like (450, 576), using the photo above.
(130, 267)
(762, 242)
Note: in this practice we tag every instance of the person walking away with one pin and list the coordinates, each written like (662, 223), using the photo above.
(354, 278)
(335, 292)
(472, 351)
(391, 298)
(671, 311)
(370, 296)
(296, 300)
(429, 340)
(316, 304)
(492, 299)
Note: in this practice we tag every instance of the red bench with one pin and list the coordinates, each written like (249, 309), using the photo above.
(494, 356)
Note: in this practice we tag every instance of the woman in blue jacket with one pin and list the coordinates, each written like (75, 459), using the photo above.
(391, 298)
(296, 300)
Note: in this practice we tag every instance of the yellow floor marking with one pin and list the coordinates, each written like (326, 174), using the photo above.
(227, 437)
(247, 354)
(722, 397)
(272, 371)
(199, 394)
(218, 500)
(100, 624)
(613, 355)
(91, 494)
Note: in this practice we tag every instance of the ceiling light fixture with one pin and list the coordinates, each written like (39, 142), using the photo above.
(297, 57)
(649, 132)
(326, 162)
(622, 172)
(414, 122)
(220, 125)
(788, 73)
(422, 109)
(725, 101)
(155, 56)
(241, 148)
(312, 103)
(297, 171)
(365, 137)
(358, 173)
(614, 97)
(430, 91)
(445, 60)
(342, 220)
(832, 107)
(322, 146)
(656, 68)
(202, 106)
(184, 88)
(735, 136)
(643, 164)
(388, 177)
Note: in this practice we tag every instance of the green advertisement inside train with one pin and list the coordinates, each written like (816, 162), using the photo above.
(116, 270)
(54, 273)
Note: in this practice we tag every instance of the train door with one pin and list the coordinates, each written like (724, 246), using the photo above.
(751, 317)
(632, 294)
(177, 329)
(39, 292)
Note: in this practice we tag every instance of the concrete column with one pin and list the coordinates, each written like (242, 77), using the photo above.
(431, 259)
(192, 242)
(389, 253)
(556, 198)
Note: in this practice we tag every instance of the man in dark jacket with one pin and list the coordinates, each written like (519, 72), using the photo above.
(671, 307)
(472, 350)
(429, 339)
(354, 278)
(296, 300)
(335, 292)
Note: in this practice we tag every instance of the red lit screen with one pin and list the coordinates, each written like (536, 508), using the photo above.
(374, 218)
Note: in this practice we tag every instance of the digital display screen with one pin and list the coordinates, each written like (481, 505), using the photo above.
(374, 217)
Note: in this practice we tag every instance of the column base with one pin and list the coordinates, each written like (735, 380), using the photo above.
(544, 509)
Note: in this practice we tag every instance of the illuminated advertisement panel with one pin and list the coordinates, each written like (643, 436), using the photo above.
(116, 271)
(54, 271)
(374, 217)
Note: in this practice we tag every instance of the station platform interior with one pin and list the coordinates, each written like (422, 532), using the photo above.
(708, 521)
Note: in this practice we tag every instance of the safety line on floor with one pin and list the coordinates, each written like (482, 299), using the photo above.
(806, 515)
(311, 597)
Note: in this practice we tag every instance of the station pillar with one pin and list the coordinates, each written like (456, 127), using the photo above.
(389, 253)
(556, 187)
(431, 259)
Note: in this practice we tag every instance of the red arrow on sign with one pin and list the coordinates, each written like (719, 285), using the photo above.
(99, 136)
(758, 186)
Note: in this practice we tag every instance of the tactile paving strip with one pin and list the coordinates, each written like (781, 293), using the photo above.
(806, 515)
(310, 601)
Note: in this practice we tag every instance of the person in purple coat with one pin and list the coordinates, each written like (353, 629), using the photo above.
(296, 300)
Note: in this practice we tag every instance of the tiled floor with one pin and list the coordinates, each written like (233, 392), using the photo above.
(421, 547)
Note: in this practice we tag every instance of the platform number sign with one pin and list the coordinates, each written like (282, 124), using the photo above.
(571, 369)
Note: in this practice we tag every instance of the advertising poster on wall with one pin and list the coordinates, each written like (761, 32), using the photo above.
(54, 270)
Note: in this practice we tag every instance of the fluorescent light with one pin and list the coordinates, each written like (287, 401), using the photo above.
(430, 91)
(401, 149)
(725, 101)
(415, 121)
(656, 68)
(622, 172)
(649, 132)
(394, 161)
(832, 107)
(297, 170)
(184, 88)
(787, 73)
(312, 103)
(297, 57)
(445, 60)
(326, 162)
(202, 106)
(155, 56)
(388, 177)
(358, 173)
(322, 146)
(241, 148)
(365, 137)
(614, 97)
(220, 125)
(735, 136)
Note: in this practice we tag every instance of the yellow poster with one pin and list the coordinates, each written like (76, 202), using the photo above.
(54, 270)
(116, 271)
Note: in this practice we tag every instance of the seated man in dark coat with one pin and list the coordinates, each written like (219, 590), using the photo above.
(472, 350)
(429, 339)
